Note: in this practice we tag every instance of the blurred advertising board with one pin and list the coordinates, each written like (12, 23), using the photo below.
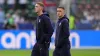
(25, 39)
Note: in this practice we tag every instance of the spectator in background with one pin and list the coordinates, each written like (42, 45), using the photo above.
(96, 20)
(10, 24)
(2, 16)
(72, 22)
(23, 4)
(16, 17)
(10, 11)
(85, 12)
(33, 2)
(11, 3)
(90, 17)
(2, 3)
(74, 9)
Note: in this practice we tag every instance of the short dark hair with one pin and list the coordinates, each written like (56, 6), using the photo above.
(62, 8)
(40, 3)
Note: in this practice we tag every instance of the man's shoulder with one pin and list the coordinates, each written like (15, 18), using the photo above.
(45, 16)
(65, 20)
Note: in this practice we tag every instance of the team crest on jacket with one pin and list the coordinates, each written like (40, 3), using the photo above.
(59, 24)
(39, 20)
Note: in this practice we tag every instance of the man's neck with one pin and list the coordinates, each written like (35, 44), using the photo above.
(40, 13)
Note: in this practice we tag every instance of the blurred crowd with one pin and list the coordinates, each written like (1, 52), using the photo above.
(86, 14)
(19, 13)
(12, 9)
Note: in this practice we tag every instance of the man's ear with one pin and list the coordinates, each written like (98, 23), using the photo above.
(41, 7)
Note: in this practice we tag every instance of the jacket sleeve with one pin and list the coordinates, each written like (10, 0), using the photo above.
(65, 30)
(49, 31)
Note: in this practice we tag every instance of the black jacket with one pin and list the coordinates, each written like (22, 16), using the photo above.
(46, 13)
(62, 32)
(44, 29)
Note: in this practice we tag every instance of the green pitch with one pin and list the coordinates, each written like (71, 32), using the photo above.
(74, 52)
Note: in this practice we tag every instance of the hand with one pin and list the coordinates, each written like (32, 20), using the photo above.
(40, 48)
(47, 44)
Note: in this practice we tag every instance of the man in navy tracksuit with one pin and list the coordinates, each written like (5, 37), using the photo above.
(44, 31)
(62, 43)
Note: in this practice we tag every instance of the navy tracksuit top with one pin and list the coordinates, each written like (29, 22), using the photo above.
(62, 32)
(44, 29)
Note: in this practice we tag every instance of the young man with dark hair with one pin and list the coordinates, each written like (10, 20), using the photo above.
(62, 43)
(44, 31)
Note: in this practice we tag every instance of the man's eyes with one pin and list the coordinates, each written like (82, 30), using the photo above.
(58, 11)
(36, 6)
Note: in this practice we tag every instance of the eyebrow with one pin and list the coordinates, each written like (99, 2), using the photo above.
(59, 11)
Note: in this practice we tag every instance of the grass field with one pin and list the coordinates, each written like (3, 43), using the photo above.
(74, 52)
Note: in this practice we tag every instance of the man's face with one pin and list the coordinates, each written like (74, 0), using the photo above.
(38, 8)
(60, 12)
